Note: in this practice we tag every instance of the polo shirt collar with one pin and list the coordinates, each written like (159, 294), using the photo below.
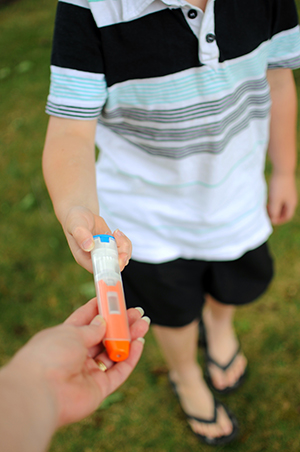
(133, 8)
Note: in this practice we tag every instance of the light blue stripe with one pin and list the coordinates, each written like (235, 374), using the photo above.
(204, 82)
(257, 146)
(75, 97)
(75, 88)
(74, 77)
(66, 81)
(282, 46)
(79, 89)
(199, 230)
(69, 87)
(203, 230)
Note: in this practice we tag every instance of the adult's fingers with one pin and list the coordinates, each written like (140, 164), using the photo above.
(138, 329)
(117, 373)
(93, 333)
(83, 315)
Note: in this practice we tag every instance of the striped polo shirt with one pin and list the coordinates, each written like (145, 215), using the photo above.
(183, 109)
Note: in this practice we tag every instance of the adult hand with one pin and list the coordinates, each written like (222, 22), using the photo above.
(80, 225)
(64, 359)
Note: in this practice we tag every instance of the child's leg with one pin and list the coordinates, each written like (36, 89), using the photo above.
(222, 343)
(179, 346)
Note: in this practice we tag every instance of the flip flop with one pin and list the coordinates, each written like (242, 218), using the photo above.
(227, 389)
(209, 360)
(225, 439)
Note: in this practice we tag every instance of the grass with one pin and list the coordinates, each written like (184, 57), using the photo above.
(40, 283)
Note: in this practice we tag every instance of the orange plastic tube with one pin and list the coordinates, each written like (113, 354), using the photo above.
(112, 308)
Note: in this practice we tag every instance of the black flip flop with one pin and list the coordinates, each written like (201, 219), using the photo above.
(225, 439)
(202, 342)
(228, 389)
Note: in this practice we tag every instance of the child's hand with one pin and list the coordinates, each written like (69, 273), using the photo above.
(80, 225)
(282, 197)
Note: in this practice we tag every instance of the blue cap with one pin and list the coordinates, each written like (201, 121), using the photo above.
(104, 237)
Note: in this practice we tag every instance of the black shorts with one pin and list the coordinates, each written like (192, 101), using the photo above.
(172, 293)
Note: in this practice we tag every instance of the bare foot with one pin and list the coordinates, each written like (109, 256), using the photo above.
(197, 401)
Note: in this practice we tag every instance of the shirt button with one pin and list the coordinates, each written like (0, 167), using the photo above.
(192, 14)
(210, 37)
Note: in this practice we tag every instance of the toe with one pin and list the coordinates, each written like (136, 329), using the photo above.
(235, 371)
(224, 421)
(218, 377)
(225, 379)
(222, 427)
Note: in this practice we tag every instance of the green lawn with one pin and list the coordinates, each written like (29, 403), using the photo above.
(40, 283)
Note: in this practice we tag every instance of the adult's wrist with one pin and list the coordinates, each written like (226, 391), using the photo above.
(28, 410)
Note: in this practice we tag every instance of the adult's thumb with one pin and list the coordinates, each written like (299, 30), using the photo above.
(94, 332)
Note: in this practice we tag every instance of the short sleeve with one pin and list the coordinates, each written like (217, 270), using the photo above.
(284, 45)
(77, 88)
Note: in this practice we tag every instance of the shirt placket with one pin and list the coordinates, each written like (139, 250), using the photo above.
(208, 48)
(203, 26)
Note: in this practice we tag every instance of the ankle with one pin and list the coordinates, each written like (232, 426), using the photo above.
(217, 324)
(187, 375)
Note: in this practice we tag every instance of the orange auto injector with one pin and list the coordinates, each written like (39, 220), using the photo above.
(110, 296)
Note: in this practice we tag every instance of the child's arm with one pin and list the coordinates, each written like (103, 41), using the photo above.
(69, 171)
(282, 147)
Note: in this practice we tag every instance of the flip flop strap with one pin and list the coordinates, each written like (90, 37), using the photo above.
(206, 421)
(220, 366)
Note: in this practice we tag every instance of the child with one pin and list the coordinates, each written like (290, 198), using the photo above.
(184, 99)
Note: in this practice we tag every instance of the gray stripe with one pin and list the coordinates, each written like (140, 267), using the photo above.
(292, 63)
(212, 147)
(195, 111)
(212, 129)
(70, 111)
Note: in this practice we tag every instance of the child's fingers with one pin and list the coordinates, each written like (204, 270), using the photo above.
(83, 237)
(281, 212)
(274, 209)
(124, 248)
(79, 227)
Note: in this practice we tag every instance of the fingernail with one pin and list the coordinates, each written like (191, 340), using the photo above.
(98, 320)
(119, 233)
(147, 319)
(87, 245)
(141, 339)
(141, 311)
(127, 262)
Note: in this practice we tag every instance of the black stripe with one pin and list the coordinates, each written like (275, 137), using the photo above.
(76, 43)
(162, 43)
(242, 25)
(155, 45)
(72, 107)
